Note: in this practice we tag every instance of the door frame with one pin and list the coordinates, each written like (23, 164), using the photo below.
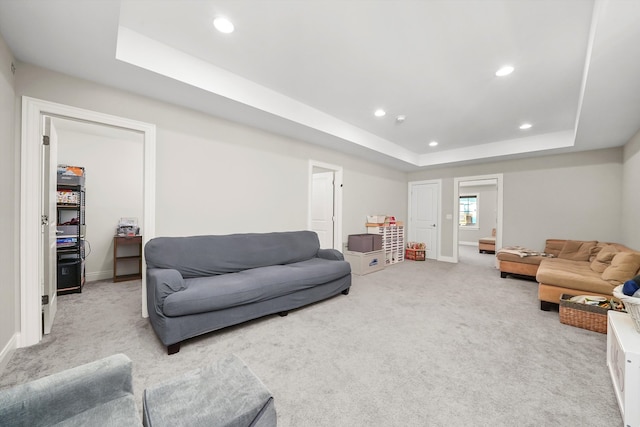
(30, 204)
(337, 199)
(438, 182)
(499, 208)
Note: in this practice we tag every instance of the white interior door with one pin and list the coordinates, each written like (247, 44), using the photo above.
(48, 265)
(423, 218)
(322, 208)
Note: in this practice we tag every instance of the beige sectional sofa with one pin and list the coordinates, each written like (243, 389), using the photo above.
(585, 268)
(522, 262)
(577, 267)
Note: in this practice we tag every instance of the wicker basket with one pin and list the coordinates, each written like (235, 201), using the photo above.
(590, 317)
(631, 304)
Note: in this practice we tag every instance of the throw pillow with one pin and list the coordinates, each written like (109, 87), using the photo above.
(603, 259)
(624, 266)
(577, 250)
(596, 250)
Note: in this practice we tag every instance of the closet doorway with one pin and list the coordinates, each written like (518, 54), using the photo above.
(31, 191)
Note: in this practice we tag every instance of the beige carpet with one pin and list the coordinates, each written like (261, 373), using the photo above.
(417, 344)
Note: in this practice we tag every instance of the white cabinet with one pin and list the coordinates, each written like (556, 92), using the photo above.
(623, 361)
(392, 241)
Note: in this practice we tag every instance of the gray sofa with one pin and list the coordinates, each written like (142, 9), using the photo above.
(200, 284)
(99, 393)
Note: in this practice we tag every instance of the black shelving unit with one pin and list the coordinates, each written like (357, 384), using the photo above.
(70, 230)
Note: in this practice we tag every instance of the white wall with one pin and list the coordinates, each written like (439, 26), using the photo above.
(112, 160)
(9, 209)
(630, 207)
(216, 176)
(578, 200)
(564, 196)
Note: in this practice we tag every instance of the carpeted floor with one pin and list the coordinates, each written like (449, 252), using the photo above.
(417, 344)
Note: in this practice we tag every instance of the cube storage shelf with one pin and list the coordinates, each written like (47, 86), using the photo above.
(623, 361)
(127, 254)
(392, 240)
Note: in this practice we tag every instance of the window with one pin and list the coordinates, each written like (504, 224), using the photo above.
(469, 211)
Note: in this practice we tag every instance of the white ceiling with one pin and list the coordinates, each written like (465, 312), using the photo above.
(317, 69)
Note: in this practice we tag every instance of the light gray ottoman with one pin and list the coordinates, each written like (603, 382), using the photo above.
(224, 394)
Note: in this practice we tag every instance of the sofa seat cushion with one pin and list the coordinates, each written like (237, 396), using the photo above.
(506, 256)
(205, 294)
(120, 412)
(576, 275)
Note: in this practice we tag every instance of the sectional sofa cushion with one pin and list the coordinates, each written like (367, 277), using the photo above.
(577, 250)
(624, 266)
(576, 275)
(603, 259)
(554, 246)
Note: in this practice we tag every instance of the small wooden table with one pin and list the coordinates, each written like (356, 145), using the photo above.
(127, 250)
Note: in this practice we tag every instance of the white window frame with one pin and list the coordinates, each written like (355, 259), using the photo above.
(477, 224)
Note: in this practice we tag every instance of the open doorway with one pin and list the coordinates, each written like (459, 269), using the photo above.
(325, 204)
(478, 202)
(31, 252)
(111, 158)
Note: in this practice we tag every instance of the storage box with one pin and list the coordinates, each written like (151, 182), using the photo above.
(66, 242)
(376, 219)
(64, 231)
(68, 197)
(364, 242)
(365, 262)
(415, 254)
(583, 316)
(68, 273)
(70, 175)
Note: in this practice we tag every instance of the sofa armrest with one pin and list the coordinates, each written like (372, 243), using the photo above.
(163, 282)
(63, 395)
(331, 254)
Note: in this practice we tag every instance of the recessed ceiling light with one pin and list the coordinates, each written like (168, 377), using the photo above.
(505, 71)
(223, 25)
(379, 112)
(401, 118)
(525, 126)
(433, 143)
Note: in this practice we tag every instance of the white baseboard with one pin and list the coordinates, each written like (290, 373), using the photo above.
(446, 258)
(468, 243)
(7, 351)
(99, 275)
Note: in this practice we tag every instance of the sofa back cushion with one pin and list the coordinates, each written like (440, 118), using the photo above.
(554, 246)
(197, 256)
(577, 250)
(624, 266)
(603, 258)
